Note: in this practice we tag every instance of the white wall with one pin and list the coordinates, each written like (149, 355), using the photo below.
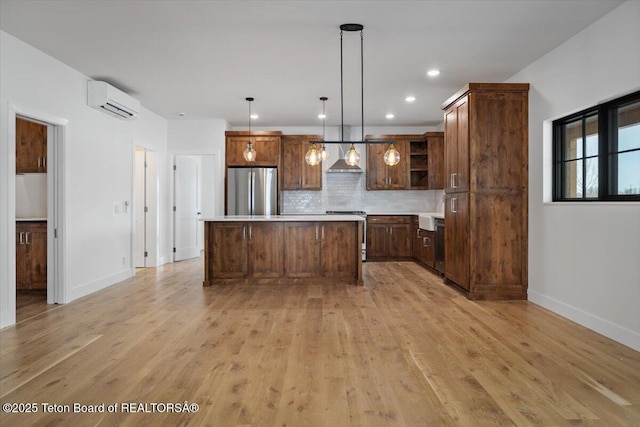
(584, 258)
(97, 171)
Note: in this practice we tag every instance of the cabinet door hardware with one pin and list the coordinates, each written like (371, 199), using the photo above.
(22, 237)
(316, 232)
(44, 162)
(244, 232)
(250, 233)
(454, 205)
(26, 240)
(323, 232)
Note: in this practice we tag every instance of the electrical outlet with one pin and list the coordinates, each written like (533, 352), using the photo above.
(116, 208)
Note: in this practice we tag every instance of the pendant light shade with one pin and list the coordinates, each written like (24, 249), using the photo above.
(313, 156)
(352, 157)
(324, 154)
(391, 156)
(249, 153)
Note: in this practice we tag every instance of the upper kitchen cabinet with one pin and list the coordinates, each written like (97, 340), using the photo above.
(380, 176)
(456, 153)
(296, 173)
(486, 164)
(31, 147)
(266, 144)
(435, 161)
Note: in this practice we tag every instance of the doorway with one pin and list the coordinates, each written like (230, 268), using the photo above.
(38, 141)
(145, 194)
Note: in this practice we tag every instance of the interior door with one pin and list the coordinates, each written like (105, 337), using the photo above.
(186, 216)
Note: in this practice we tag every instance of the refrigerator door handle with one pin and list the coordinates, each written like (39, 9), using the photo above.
(250, 192)
(253, 192)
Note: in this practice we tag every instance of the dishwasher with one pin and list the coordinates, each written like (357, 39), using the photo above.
(439, 246)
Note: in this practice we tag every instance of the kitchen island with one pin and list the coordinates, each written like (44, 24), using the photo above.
(283, 249)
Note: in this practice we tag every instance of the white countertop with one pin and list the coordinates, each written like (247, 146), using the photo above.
(31, 219)
(289, 218)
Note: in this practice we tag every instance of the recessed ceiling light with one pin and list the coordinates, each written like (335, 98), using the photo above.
(433, 73)
(182, 114)
(322, 116)
(389, 116)
(254, 116)
(410, 98)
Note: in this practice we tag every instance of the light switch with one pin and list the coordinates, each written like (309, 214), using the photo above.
(116, 208)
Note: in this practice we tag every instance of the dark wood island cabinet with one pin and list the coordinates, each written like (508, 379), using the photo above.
(314, 249)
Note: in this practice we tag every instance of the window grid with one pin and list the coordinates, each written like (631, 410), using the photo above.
(607, 155)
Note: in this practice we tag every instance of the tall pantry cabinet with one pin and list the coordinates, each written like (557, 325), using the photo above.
(486, 172)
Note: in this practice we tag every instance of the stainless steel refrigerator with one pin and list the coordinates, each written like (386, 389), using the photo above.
(252, 191)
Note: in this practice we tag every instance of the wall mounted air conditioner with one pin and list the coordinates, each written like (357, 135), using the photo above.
(108, 99)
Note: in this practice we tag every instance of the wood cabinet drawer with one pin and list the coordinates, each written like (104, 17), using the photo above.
(389, 219)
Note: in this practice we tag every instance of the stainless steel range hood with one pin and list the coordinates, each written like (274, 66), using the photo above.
(341, 166)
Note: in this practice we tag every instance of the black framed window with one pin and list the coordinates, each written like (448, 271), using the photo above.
(596, 153)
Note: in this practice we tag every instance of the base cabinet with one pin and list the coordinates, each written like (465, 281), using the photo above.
(283, 252)
(31, 255)
(426, 240)
(389, 237)
(318, 249)
(242, 250)
(456, 232)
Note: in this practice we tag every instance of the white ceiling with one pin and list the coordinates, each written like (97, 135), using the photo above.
(205, 57)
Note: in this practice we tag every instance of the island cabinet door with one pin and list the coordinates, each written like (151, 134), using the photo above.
(339, 250)
(301, 249)
(266, 257)
(229, 250)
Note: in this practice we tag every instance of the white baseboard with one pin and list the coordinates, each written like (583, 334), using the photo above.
(602, 326)
(92, 287)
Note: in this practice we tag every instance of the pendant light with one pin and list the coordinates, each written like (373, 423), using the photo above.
(391, 156)
(317, 154)
(249, 153)
(350, 161)
(352, 157)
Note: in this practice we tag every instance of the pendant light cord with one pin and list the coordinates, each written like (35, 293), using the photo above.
(361, 87)
(341, 93)
(324, 118)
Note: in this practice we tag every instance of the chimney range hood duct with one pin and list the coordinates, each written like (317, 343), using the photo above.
(341, 166)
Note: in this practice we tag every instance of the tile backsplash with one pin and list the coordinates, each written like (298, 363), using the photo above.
(347, 191)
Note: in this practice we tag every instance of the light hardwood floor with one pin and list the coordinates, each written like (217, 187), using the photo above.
(403, 350)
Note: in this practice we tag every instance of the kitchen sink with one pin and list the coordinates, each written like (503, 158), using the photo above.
(426, 222)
